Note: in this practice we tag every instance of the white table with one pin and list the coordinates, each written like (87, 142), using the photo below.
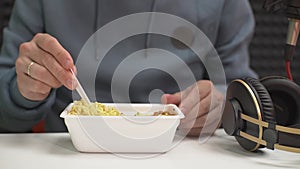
(43, 151)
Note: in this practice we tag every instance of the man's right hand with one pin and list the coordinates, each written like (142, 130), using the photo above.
(43, 64)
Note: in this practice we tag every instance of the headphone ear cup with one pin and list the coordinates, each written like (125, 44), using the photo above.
(255, 102)
(285, 97)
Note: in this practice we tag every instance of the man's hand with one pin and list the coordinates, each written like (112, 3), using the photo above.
(43, 64)
(202, 106)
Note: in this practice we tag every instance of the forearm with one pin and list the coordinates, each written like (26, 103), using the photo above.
(17, 114)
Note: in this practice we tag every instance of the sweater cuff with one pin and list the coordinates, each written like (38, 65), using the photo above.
(19, 99)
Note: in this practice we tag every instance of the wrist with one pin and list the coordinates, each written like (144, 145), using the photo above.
(19, 99)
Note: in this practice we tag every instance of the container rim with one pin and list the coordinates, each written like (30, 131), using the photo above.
(179, 115)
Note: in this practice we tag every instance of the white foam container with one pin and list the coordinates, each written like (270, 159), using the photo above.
(124, 134)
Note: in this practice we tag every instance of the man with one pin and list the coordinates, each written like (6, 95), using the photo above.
(44, 38)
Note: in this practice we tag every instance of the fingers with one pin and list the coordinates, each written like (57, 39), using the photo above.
(171, 98)
(50, 45)
(199, 108)
(48, 53)
(196, 100)
(205, 87)
(49, 66)
(40, 73)
(212, 121)
(194, 94)
(32, 89)
(202, 106)
(191, 116)
(189, 100)
(203, 125)
(55, 58)
(200, 119)
(64, 76)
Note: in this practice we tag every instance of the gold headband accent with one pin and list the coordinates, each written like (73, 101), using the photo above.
(263, 142)
(266, 125)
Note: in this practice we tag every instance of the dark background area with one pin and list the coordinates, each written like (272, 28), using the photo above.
(266, 49)
(5, 10)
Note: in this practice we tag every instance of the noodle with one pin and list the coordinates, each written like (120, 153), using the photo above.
(98, 109)
(95, 109)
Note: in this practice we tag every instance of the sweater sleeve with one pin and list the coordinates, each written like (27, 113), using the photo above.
(234, 35)
(18, 114)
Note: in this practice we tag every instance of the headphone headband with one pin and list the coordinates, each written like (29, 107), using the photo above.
(277, 128)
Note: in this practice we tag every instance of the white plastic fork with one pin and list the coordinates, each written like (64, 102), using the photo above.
(80, 90)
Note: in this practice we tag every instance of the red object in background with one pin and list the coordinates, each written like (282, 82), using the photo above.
(288, 70)
(39, 128)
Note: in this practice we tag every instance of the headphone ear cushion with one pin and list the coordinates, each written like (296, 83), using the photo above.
(255, 102)
(285, 96)
(264, 98)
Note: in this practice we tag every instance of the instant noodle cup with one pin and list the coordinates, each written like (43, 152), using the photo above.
(123, 128)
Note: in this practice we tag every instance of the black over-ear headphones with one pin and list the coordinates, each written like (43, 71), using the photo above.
(263, 113)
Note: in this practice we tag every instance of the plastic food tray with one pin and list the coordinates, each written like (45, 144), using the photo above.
(127, 133)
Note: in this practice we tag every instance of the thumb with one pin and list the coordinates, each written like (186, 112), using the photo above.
(171, 98)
